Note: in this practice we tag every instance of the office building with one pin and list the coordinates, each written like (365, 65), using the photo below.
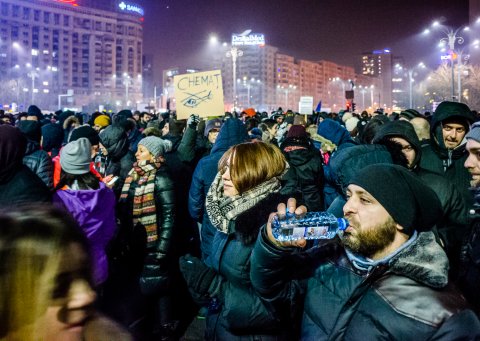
(54, 47)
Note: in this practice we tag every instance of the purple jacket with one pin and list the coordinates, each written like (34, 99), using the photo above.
(94, 211)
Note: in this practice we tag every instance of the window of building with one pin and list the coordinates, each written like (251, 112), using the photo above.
(66, 20)
(4, 9)
(15, 11)
(26, 13)
(46, 17)
(56, 19)
(36, 15)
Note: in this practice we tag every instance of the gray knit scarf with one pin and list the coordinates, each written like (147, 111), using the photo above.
(221, 209)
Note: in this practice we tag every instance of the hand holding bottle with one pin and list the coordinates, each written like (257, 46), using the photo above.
(282, 210)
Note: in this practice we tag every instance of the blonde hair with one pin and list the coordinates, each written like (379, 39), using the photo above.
(252, 163)
(32, 242)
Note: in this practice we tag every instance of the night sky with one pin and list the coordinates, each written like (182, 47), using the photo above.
(177, 31)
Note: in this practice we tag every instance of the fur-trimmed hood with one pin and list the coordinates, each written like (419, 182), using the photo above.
(424, 261)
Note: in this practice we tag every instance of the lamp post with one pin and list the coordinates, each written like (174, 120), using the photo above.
(371, 94)
(126, 82)
(234, 53)
(451, 37)
(33, 74)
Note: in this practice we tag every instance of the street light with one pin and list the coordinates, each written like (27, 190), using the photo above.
(234, 53)
(33, 74)
(452, 37)
(126, 82)
(288, 88)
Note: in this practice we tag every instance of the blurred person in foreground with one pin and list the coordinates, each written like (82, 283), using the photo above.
(386, 278)
(45, 280)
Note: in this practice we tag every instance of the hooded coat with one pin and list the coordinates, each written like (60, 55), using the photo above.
(343, 301)
(452, 227)
(447, 162)
(232, 132)
(340, 137)
(18, 184)
(94, 211)
(305, 174)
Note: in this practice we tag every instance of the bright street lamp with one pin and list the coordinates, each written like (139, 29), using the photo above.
(234, 53)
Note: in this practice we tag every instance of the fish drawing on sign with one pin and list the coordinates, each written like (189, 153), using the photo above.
(194, 100)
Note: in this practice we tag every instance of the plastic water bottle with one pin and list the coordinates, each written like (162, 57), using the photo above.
(314, 225)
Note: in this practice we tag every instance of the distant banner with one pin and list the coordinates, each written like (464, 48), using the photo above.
(199, 93)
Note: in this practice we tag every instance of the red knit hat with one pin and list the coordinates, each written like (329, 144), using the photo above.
(297, 131)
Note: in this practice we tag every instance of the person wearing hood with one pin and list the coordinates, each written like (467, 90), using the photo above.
(446, 153)
(232, 132)
(403, 144)
(90, 202)
(384, 278)
(35, 158)
(305, 174)
(52, 138)
(18, 184)
(114, 146)
(338, 138)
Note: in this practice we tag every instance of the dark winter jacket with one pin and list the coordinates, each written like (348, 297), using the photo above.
(120, 158)
(452, 226)
(305, 174)
(337, 134)
(408, 298)
(39, 162)
(23, 186)
(242, 313)
(232, 132)
(156, 258)
(469, 274)
(447, 162)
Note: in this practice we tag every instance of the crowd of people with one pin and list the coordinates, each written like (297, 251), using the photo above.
(131, 225)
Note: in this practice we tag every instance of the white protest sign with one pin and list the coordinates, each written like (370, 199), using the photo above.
(305, 106)
(199, 93)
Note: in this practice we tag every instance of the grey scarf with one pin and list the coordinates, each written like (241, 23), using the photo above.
(221, 209)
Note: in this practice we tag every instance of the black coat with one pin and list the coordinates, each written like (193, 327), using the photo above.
(447, 162)
(154, 262)
(305, 175)
(39, 162)
(406, 299)
(243, 314)
(23, 186)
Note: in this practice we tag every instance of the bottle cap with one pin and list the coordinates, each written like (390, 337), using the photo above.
(342, 224)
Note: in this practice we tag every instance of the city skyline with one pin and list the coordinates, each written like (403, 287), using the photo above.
(176, 33)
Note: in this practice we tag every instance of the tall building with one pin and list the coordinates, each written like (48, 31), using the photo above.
(379, 64)
(51, 47)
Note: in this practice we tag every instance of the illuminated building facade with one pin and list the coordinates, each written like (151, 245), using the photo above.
(379, 63)
(91, 47)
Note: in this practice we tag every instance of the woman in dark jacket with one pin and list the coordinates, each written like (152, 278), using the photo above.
(147, 200)
(115, 147)
(306, 169)
(245, 189)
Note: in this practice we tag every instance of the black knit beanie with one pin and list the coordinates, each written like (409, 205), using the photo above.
(410, 202)
(85, 131)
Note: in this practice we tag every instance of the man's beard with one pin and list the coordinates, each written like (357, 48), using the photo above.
(369, 242)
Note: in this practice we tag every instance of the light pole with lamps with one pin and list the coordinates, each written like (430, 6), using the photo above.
(234, 53)
(451, 38)
(33, 74)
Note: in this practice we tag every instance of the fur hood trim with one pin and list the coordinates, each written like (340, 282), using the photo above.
(424, 261)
